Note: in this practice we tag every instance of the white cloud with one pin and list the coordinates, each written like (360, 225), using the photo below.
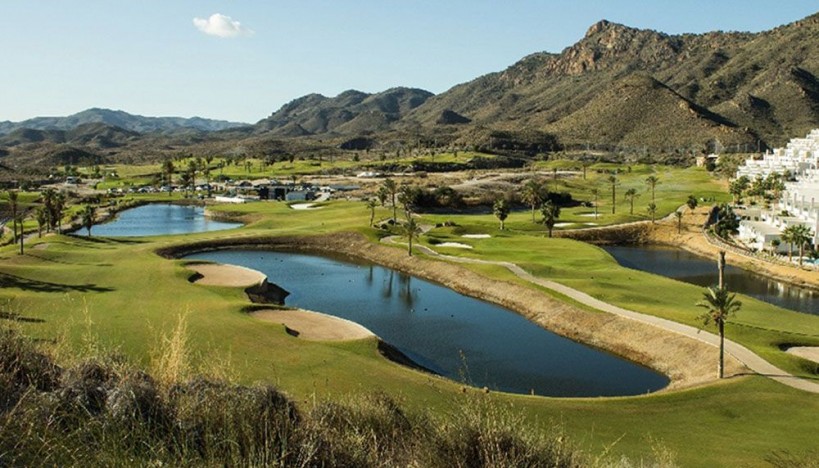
(221, 26)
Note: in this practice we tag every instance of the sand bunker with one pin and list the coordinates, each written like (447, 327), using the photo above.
(304, 206)
(563, 224)
(476, 236)
(214, 274)
(588, 215)
(314, 326)
(811, 353)
(456, 245)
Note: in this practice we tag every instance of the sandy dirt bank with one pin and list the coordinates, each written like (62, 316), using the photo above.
(314, 326)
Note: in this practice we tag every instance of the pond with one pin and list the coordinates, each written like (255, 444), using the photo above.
(159, 219)
(456, 336)
(685, 266)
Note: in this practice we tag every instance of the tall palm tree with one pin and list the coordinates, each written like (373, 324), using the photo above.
(391, 189)
(679, 215)
(595, 193)
(630, 195)
(372, 203)
(801, 237)
(613, 181)
(59, 206)
(48, 205)
(13, 203)
(692, 202)
(411, 230)
(789, 237)
(652, 182)
(501, 210)
(532, 194)
(167, 171)
(719, 305)
(652, 210)
(551, 212)
(88, 216)
(42, 219)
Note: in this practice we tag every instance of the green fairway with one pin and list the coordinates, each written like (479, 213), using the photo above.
(121, 296)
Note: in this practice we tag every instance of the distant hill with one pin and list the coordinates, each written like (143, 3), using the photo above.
(351, 112)
(95, 135)
(751, 85)
(123, 120)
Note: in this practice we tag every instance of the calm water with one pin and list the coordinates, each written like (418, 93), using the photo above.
(453, 335)
(159, 219)
(685, 266)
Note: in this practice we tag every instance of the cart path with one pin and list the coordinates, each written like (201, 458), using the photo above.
(744, 355)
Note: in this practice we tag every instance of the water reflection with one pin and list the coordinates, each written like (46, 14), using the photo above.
(685, 266)
(160, 219)
(445, 331)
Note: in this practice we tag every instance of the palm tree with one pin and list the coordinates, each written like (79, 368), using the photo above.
(167, 170)
(20, 216)
(801, 237)
(532, 195)
(42, 219)
(719, 305)
(679, 215)
(12, 196)
(595, 193)
(630, 195)
(652, 182)
(789, 236)
(652, 210)
(692, 202)
(88, 216)
(411, 230)
(613, 181)
(372, 203)
(48, 206)
(391, 189)
(58, 206)
(551, 212)
(501, 210)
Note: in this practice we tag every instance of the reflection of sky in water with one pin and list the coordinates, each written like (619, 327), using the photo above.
(684, 266)
(444, 331)
(159, 219)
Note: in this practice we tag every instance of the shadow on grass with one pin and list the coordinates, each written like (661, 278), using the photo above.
(11, 281)
(14, 317)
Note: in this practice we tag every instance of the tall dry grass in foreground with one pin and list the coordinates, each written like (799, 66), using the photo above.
(103, 411)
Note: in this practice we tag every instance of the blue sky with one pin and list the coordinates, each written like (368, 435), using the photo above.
(151, 57)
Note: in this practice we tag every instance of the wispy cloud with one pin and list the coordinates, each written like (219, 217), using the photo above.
(221, 26)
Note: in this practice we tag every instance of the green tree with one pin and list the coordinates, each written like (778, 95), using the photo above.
(88, 216)
(798, 235)
(391, 189)
(595, 195)
(532, 195)
(719, 305)
(551, 213)
(501, 210)
(58, 207)
(168, 170)
(679, 215)
(372, 203)
(691, 202)
(612, 179)
(411, 230)
(652, 182)
(652, 211)
(630, 195)
(13, 197)
(41, 215)
(727, 222)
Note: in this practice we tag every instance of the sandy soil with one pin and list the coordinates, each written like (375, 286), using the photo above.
(304, 206)
(810, 353)
(227, 275)
(456, 245)
(314, 326)
(476, 236)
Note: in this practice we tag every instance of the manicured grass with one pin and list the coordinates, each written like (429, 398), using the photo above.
(121, 295)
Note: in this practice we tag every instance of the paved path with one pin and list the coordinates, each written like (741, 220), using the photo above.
(744, 355)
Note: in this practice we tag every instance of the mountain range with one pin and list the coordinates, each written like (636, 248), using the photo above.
(617, 87)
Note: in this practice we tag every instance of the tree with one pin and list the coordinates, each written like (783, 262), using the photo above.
(13, 196)
(48, 206)
(788, 237)
(738, 186)
(719, 305)
(501, 210)
(595, 193)
(652, 182)
(551, 212)
(58, 206)
(691, 202)
(613, 181)
(679, 215)
(391, 189)
(630, 195)
(727, 222)
(41, 215)
(532, 195)
(167, 170)
(799, 235)
(372, 203)
(652, 210)
(411, 230)
(88, 216)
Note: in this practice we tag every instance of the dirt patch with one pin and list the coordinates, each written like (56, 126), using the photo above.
(811, 353)
(686, 361)
(213, 274)
(314, 326)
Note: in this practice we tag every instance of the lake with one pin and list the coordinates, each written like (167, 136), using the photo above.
(158, 219)
(453, 335)
(685, 266)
